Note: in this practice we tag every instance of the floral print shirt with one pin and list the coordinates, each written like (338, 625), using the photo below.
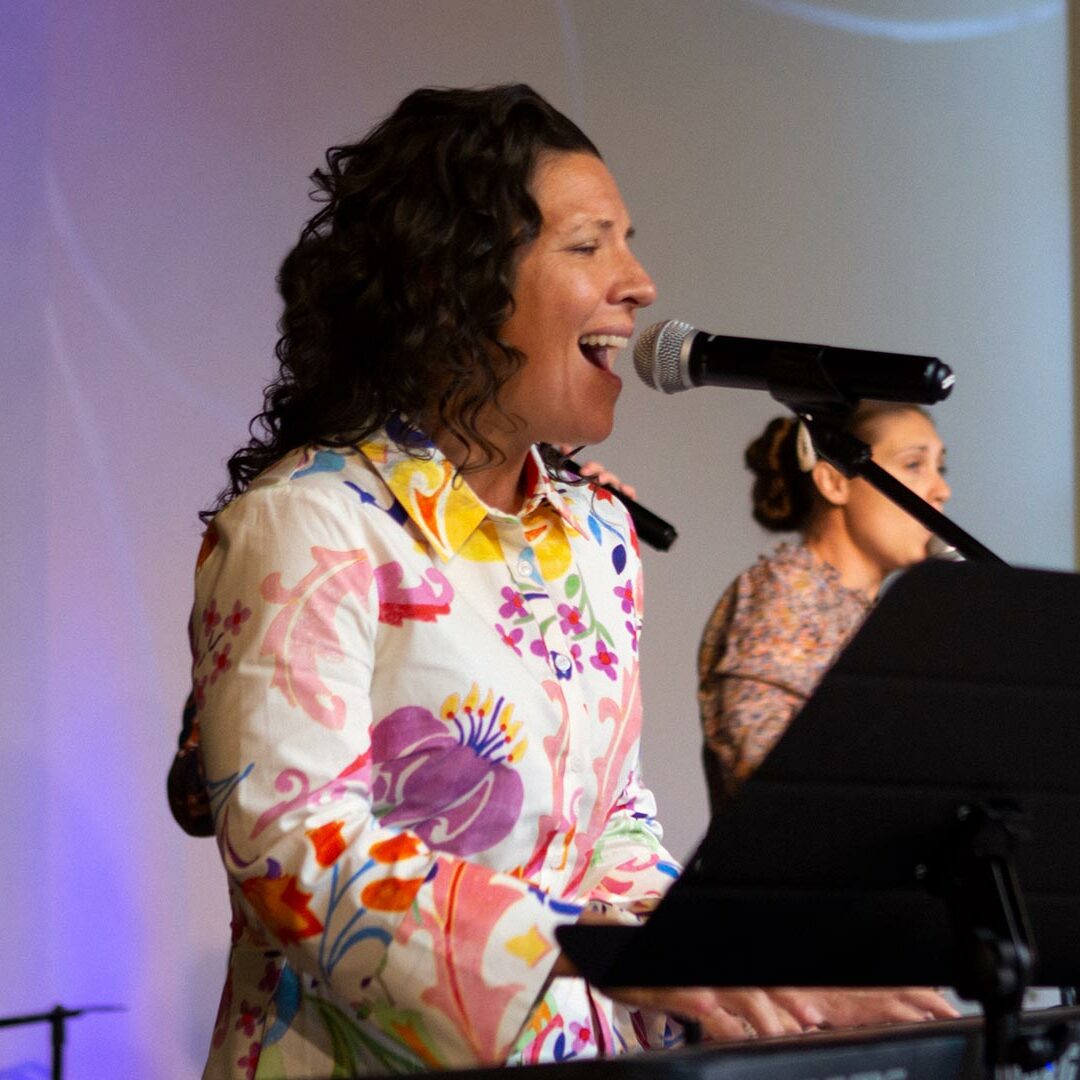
(765, 647)
(419, 719)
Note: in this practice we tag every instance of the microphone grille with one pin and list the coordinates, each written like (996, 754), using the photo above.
(658, 356)
(942, 549)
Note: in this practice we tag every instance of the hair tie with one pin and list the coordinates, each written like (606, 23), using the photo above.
(805, 452)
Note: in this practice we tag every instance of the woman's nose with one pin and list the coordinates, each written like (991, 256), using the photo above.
(942, 491)
(637, 287)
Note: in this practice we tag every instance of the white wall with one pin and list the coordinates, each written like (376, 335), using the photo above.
(816, 171)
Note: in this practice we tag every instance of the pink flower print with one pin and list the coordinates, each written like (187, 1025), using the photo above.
(538, 648)
(626, 593)
(570, 623)
(605, 659)
(250, 1061)
(632, 629)
(511, 637)
(575, 655)
(248, 1015)
(238, 616)
(210, 618)
(582, 1035)
(222, 663)
(514, 608)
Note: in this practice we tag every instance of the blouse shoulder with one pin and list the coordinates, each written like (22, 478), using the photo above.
(312, 495)
(788, 609)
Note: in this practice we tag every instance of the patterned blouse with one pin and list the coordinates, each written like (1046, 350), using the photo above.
(419, 722)
(765, 647)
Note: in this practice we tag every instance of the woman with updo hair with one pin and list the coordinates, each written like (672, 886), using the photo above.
(781, 623)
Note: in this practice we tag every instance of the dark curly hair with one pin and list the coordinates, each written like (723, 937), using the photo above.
(785, 497)
(397, 288)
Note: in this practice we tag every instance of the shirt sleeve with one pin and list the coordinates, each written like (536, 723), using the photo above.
(445, 956)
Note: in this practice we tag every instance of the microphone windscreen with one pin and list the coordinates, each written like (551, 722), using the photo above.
(658, 356)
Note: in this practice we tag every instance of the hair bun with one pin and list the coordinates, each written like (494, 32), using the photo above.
(781, 496)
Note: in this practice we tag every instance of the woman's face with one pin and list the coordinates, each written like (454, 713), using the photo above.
(577, 287)
(907, 445)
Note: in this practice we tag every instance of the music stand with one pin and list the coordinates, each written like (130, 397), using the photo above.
(917, 824)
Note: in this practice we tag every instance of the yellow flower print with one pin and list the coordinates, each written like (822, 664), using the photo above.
(547, 537)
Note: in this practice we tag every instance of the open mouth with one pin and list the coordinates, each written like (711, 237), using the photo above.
(600, 349)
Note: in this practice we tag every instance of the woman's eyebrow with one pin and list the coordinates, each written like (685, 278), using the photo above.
(604, 224)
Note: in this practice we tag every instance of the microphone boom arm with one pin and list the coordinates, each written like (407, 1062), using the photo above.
(852, 457)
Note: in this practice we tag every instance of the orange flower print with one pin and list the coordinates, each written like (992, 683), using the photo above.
(209, 542)
(328, 842)
(391, 894)
(397, 847)
(282, 907)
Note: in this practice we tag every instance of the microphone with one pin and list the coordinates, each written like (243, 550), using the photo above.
(942, 549)
(673, 356)
(651, 528)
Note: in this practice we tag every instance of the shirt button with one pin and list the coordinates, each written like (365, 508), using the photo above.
(562, 664)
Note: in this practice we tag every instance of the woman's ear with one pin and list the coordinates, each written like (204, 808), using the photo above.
(834, 486)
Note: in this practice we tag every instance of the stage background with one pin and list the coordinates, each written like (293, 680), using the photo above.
(827, 170)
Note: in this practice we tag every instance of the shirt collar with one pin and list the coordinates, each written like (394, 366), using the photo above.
(444, 507)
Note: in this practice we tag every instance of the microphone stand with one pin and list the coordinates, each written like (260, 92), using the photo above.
(852, 457)
(55, 1018)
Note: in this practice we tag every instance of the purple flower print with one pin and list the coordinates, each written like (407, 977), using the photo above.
(571, 623)
(236, 618)
(582, 1036)
(514, 608)
(449, 780)
(575, 655)
(632, 629)
(510, 637)
(626, 593)
(605, 659)
(538, 648)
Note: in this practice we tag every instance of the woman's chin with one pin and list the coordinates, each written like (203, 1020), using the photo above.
(589, 434)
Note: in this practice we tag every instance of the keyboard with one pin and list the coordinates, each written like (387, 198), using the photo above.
(934, 1050)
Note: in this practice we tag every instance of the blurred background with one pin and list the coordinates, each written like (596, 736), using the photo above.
(856, 172)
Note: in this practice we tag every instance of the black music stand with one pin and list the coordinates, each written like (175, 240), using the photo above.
(917, 824)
